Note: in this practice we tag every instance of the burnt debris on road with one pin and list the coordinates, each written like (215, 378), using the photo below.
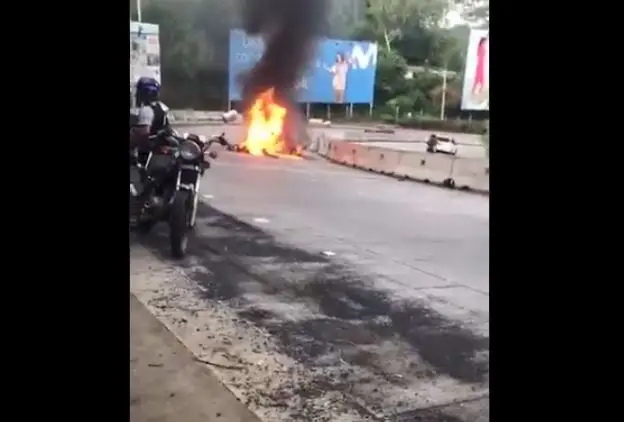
(392, 325)
(297, 152)
(384, 358)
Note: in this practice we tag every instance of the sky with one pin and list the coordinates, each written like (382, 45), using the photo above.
(453, 17)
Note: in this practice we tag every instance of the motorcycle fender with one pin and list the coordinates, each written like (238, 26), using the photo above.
(190, 181)
(189, 188)
(193, 188)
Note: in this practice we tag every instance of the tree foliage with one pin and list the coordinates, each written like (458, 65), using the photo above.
(399, 20)
(412, 30)
(410, 33)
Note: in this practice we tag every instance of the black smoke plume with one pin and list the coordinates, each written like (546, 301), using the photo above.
(290, 29)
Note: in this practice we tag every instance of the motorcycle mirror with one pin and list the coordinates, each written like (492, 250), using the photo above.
(212, 154)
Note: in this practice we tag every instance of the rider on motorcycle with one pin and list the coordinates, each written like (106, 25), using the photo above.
(152, 116)
(152, 124)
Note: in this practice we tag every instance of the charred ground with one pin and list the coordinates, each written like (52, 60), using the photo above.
(355, 339)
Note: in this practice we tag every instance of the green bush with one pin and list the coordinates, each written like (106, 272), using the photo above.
(458, 126)
(386, 115)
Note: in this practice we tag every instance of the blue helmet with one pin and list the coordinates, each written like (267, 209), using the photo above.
(147, 90)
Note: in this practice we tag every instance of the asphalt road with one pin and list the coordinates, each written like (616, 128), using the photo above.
(467, 151)
(356, 132)
(235, 133)
(402, 139)
(324, 293)
(407, 135)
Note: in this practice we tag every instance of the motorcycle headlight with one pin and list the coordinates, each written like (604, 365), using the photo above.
(190, 151)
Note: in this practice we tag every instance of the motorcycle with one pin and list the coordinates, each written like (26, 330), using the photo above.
(164, 184)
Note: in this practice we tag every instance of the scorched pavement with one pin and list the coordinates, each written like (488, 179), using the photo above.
(318, 293)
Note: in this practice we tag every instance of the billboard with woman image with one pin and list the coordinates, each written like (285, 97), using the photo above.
(341, 71)
(476, 89)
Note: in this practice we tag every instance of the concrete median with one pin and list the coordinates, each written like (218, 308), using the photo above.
(232, 117)
(319, 122)
(471, 173)
(343, 152)
(381, 160)
(380, 129)
(322, 145)
(401, 164)
(450, 171)
(193, 117)
(425, 167)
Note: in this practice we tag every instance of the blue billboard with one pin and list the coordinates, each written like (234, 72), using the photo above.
(341, 72)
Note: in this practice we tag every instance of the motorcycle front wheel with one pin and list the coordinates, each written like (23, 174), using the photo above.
(178, 223)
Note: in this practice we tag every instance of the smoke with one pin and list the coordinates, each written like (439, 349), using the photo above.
(289, 29)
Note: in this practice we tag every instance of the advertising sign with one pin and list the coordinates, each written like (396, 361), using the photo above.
(476, 89)
(144, 51)
(341, 72)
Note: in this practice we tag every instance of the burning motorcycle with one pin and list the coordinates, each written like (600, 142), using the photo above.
(164, 184)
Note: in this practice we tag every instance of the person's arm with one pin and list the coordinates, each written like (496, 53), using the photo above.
(144, 122)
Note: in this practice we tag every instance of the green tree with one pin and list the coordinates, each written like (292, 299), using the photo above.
(410, 32)
(194, 46)
(343, 15)
(390, 78)
(390, 21)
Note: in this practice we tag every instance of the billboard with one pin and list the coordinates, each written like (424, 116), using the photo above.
(476, 89)
(341, 72)
(144, 51)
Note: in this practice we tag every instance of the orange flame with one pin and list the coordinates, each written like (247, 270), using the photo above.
(266, 124)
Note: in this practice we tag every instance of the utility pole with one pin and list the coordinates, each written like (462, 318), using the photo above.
(138, 4)
(443, 102)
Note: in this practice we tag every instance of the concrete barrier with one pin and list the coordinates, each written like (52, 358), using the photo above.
(343, 152)
(191, 116)
(319, 122)
(320, 145)
(220, 117)
(450, 171)
(380, 129)
(204, 117)
(380, 160)
(402, 164)
(425, 167)
(471, 173)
